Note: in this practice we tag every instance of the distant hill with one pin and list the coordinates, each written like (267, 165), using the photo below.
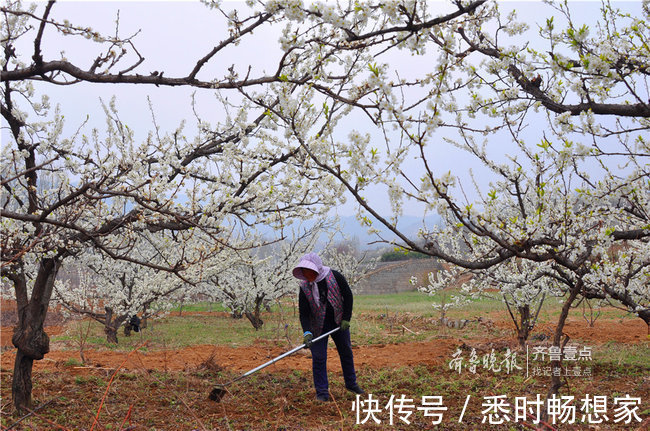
(409, 225)
(352, 229)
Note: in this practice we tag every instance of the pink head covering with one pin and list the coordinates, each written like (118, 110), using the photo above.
(311, 261)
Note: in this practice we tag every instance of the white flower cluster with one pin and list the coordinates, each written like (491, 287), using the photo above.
(438, 285)
(567, 190)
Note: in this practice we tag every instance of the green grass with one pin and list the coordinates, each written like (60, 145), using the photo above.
(412, 302)
(72, 362)
(377, 319)
(373, 316)
(177, 331)
(623, 355)
(198, 306)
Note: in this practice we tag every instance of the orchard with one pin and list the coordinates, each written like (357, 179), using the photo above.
(194, 158)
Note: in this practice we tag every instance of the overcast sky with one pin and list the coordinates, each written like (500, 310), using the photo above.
(173, 35)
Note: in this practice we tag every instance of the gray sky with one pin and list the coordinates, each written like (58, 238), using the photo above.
(173, 35)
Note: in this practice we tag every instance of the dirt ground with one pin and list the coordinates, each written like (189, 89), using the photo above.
(244, 358)
(285, 408)
(429, 353)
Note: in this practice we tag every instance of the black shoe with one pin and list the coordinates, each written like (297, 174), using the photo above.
(322, 398)
(356, 389)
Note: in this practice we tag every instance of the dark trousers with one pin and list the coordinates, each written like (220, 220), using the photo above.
(319, 360)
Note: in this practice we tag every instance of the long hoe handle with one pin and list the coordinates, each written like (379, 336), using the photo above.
(219, 391)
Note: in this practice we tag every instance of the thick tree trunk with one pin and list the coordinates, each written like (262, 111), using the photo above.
(254, 316)
(111, 325)
(111, 334)
(255, 319)
(29, 337)
(21, 385)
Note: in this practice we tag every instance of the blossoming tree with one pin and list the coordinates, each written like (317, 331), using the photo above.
(253, 280)
(460, 74)
(108, 191)
(556, 121)
(111, 292)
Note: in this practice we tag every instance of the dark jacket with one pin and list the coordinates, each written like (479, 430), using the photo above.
(346, 294)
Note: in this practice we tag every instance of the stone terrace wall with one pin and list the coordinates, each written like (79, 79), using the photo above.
(393, 277)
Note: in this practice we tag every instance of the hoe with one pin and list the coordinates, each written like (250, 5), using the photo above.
(220, 390)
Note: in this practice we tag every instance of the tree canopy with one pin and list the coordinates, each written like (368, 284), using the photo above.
(556, 114)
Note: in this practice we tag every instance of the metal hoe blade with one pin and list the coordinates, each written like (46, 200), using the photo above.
(219, 391)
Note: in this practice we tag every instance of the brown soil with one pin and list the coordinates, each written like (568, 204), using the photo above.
(9, 314)
(291, 407)
(435, 352)
(241, 359)
(619, 330)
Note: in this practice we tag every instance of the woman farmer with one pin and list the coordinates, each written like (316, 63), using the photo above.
(325, 302)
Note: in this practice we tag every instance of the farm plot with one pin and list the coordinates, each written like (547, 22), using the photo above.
(159, 379)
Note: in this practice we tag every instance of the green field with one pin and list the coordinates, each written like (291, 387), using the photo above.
(377, 319)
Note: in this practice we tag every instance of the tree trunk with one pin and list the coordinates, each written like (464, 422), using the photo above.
(556, 382)
(21, 385)
(180, 308)
(523, 331)
(255, 319)
(29, 337)
(111, 334)
(521, 321)
(111, 325)
(145, 316)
